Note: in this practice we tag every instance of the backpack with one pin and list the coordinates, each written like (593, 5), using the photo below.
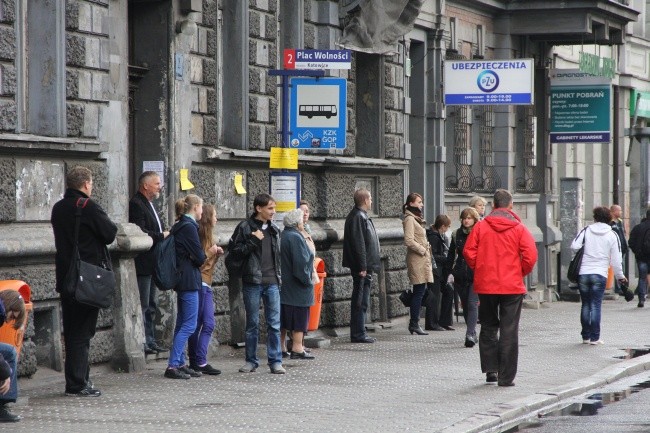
(233, 262)
(166, 275)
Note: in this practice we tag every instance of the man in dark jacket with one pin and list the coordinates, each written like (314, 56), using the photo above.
(143, 213)
(637, 242)
(619, 229)
(257, 242)
(361, 255)
(96, 230)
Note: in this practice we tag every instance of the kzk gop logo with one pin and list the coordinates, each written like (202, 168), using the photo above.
(487, 81)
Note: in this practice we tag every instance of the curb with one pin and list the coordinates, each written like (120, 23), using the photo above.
(504, 415)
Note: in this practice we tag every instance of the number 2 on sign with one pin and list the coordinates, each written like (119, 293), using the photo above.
(289, 59)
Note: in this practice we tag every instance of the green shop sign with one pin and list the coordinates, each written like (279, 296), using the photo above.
(580, 114)
(591, 64)
(644, 103)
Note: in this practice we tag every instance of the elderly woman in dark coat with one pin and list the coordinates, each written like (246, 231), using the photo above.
(297, 294)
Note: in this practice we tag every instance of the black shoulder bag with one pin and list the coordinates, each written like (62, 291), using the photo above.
(574, 267)
(87, 283)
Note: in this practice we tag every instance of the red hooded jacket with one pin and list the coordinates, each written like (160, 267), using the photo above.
(501, 251)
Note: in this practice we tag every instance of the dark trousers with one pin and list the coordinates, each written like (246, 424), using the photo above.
(416, 301)
(432, 304)
(446, 304)
(148, 301)
(79, 323)
(359, 305)
(500, 314)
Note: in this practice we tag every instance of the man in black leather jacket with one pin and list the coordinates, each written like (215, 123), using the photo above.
(96, 230)
(361, 255)
(257, 242)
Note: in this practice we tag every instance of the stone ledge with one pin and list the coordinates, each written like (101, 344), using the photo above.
(13, 144)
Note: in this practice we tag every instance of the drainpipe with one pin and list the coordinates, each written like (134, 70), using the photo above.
(616, 162)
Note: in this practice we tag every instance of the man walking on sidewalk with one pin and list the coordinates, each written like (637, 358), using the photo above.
(361, 255)
(641, 249)
(502, 252)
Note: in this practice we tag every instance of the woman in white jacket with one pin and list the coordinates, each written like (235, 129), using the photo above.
(602, 250)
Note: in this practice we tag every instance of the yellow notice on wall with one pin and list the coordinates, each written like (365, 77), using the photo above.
(284, 157)
(185, 181)
(239, 184)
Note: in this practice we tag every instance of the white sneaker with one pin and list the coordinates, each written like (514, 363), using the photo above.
(597, 342)
(586, 341)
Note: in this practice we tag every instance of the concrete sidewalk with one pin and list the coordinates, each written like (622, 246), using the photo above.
(402, 382)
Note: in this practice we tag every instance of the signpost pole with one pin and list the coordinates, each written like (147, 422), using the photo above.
(285, 75)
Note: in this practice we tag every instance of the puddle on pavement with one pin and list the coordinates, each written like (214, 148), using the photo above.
(588, 406)
(633, 353)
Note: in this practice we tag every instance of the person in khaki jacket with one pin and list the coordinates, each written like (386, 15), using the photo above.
(418, 256)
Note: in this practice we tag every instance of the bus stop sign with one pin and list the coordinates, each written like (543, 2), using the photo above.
(317, 113)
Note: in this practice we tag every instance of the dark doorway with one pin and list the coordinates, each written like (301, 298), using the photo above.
(149, 57)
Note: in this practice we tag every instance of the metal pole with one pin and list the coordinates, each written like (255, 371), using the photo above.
(632, 126)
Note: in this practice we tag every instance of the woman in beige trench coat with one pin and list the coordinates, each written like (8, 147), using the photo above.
(418, 256)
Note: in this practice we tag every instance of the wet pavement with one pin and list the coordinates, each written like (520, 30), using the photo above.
(401, 383)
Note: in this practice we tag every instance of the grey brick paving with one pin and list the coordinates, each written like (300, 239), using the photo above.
(401, 383)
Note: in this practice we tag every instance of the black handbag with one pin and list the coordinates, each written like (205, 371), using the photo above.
(89, 284)
(574, 267)
(406, 296)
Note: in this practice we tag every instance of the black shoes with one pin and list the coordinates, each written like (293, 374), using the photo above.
(285, 354)
(302, 355)
(6, 416)
(435, 327)
(363, 340)
(187, 370)
(175, 373)
(157, 347)
(414, 327)
(206, 369)
(506, 384)
(86, 392)
(449, 328)
(491, 377)
(470, 340)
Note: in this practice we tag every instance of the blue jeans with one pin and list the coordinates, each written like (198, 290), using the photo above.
(592, 289)
(253, 294)
(642, 289)
(148, 298)
(197, 347)
(8, 352)
(188, 308)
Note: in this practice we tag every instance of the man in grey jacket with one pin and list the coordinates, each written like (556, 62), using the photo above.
(361, 255)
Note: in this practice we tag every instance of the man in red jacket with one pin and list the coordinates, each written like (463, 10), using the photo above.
(501, 251)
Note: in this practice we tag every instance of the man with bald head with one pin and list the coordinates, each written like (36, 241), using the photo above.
(619, 229)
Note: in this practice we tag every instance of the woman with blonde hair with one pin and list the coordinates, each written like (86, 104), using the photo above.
(189, 259)
(478, 203)
(418, 256)
(12, 312)
(463, 276)
(197, 345)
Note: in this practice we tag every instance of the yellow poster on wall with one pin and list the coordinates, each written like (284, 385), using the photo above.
(284, 157)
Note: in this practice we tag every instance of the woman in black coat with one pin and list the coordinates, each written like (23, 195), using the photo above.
(189, 259)
(440, 301)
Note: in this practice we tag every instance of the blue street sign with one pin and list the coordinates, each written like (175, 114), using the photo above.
(317, 113)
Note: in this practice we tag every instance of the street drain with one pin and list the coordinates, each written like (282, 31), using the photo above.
(633, 353)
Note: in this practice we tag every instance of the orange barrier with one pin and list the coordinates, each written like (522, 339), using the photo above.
(8, 334)
(314, 310)
(610, 279)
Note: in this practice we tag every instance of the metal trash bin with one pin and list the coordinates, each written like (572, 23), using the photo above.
(314, 310)
(8, 334)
